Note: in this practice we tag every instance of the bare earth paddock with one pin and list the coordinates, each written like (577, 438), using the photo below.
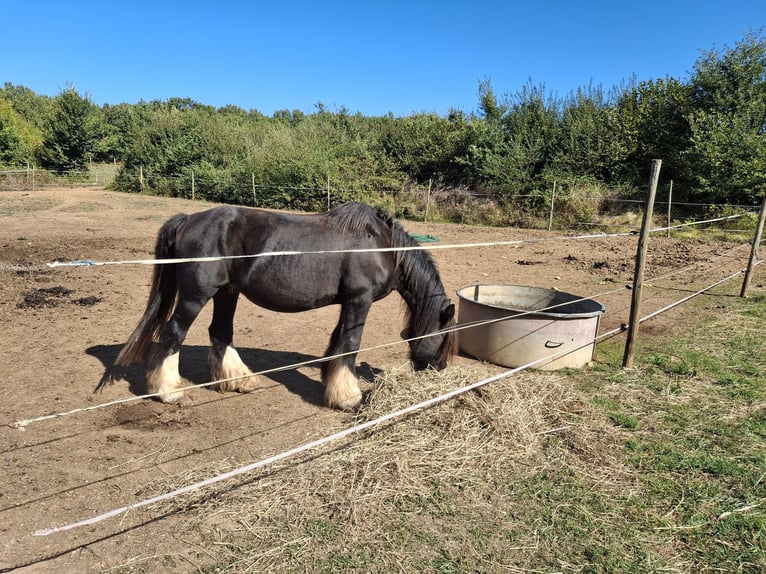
(62, 329)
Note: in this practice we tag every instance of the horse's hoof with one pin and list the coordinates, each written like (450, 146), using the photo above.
(342, 388)
(174, 398)
(174, 394)
(248, 385)
(350, 403)
(245, 385)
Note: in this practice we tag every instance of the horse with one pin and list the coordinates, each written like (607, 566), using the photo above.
(340, 257)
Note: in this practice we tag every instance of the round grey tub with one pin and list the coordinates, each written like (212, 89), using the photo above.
(537, 323)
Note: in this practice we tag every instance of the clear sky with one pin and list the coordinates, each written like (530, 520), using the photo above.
(373, 57)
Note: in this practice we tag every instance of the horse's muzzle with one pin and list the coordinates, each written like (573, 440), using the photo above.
(423, 365)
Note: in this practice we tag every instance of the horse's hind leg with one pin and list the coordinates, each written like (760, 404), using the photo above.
(225, 363)
(162, 374)
(339, 375)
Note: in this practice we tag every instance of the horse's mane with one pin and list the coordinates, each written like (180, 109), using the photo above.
(352, 217)
(418, 277)
(417, 269)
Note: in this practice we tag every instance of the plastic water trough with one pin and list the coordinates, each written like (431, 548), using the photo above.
(536, 323)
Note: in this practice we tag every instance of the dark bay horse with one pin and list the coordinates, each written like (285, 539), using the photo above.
(286, 283)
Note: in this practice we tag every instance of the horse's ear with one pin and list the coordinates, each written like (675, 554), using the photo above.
(448, 314)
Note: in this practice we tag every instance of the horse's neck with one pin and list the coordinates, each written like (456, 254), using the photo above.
(409, 298)
(419, 292)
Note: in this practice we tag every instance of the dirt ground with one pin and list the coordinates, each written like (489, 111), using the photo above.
(63, 327)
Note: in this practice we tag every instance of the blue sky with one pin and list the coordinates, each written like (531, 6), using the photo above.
(371, 57)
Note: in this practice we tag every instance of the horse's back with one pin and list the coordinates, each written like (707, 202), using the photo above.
(328, 272)
(348, 223)
(224, 231)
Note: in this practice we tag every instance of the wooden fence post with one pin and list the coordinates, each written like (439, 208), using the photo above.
(553, 199)
(255, 198)
(328, 191)
(754, 249)
(428, 200)
(638, 276)
(192, 186)
(670, 202)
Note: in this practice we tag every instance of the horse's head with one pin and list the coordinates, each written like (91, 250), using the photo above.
(434, 351)
(429, 311)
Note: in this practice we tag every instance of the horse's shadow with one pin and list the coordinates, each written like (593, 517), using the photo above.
(194, 367)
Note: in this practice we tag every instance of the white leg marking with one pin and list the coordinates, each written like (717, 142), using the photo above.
(166, 380)
(342, 388)
(231, 366)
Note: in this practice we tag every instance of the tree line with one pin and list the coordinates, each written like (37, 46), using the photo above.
(709, 130)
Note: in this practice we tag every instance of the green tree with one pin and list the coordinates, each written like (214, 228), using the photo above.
(164, 141)
(652, 119)
(530, 129)
(28, 105)
(423, 146)
(492, 110)
(588, 143)
(70, 132)
(122, 123)
(726, 159)
(18, 139)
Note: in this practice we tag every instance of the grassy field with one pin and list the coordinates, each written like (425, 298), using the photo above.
(661, 468)
(694, 441)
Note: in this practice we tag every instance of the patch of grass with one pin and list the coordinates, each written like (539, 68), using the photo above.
(706, 448)
(89, 207)
(616, 413)
(28, 204)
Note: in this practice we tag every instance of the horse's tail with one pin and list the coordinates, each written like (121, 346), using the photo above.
(162, 297)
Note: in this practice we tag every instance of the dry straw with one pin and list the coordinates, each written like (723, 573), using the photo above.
(467, 448)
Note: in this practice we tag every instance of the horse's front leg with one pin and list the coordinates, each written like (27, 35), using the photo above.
(226, 365)
(339, 375)
(162, 373)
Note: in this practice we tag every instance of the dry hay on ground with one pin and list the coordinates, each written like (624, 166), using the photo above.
(458, 454)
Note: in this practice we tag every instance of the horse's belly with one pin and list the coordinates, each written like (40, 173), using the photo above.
(288, 295)
(288, 303)
(290, 285)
